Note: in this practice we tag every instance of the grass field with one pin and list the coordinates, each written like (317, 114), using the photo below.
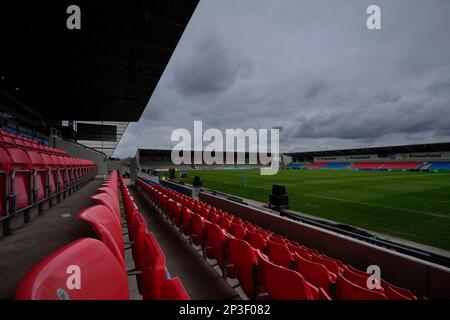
(413, 206)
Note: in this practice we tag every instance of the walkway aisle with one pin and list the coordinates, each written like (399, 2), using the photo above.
(199, 279)
(55, 228)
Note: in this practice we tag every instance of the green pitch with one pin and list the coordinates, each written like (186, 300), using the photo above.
(413, 206)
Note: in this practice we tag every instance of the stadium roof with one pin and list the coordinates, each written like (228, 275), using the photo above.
(107, 71)
(430, 147)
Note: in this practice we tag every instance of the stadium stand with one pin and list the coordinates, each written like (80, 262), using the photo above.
(367, 165)
(337, 165)
(442, 165)
(32, 174)
(300, 272)
(401, 165)
(102, 261)
(315, 165)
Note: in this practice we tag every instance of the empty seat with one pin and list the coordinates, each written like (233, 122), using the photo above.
(105, 199)
(282, 283)
(395, 292)
(256, 240)
(215, 238)
(173, 289)
(5, 164)
(153, 268)
(197, 232)
(315, 273)
(302, 252)
(359, 279)
(21, 187)
(101, 276)
(186, 221)
(245, 261)
(331, 264)
(237, 230)
(346, 290)
(279, 254)
(40, 176)
(104, 222)
(53, 174)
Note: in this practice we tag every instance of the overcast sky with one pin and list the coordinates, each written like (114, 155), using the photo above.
(310, 66)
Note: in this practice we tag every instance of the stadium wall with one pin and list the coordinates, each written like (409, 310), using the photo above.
(423, 278)
(79, 151)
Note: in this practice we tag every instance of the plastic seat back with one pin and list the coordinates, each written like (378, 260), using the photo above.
(101, 275)
(153, 268)
(5, 164)
(315, 273)
(198, 224)
(173, 289)
(22, 180)
(186, 221)
(237, 230)
(331, 265)
(346, 290)
(279, 254)
(38, 164)
(104, 222)
(282, 283)
(243, 256)
(256, 240)
(360, 280)
(105, 199)
(215, 239)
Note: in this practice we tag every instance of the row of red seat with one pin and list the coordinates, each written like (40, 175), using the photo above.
(153, 281)
(102, 263)
(387, 165)
(12, 140)
(29, 178)
(266, 264)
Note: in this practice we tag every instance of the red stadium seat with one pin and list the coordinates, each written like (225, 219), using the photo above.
(213, 217)
(215, 240)
(21, 168)
(359, 279)
(53, 176)
(102, 277)
(397, 293)
(153, 268)
(282, 283)
(186, 221)
(104, 222)
(315, 273)
(40, 176)
(302, 252)
(105, 199)
(197, 234)
(279, 254)
(245, 261)
(331, 264)
(256, 240)
(277, 239)
(173, 289)
(225, 223)
(346, 290)
(5, 164)
(237, 230)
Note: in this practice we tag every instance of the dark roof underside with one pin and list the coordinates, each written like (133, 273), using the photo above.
(106, 71)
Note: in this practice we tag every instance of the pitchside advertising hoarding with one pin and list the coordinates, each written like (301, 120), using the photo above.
(417, 156)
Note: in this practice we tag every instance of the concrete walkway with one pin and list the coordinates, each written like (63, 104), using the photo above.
(56, 227)
(198, 277)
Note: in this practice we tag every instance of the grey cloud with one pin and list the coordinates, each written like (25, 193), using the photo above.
(310, 66)
(211, 68)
